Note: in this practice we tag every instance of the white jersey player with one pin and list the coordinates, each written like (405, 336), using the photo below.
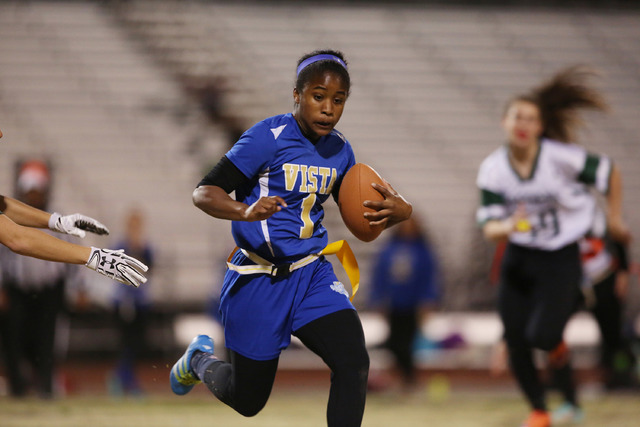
(555, 198)
(535, 194)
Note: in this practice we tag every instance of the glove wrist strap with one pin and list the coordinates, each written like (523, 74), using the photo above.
(94, 258)
(53, 220)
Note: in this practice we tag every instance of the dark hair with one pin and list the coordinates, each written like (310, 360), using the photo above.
(559, 100)
(319, 67)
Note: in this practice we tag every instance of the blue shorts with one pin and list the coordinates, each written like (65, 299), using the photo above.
(259, 312)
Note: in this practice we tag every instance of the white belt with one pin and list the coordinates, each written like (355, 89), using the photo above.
(265, 267)
(340, 248)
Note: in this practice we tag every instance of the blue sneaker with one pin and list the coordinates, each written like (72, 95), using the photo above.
(567, 414)
(182, 376)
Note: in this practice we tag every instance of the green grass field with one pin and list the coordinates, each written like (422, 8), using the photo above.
(293, 408)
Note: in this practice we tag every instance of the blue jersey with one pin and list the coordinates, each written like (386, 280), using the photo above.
(280, 161)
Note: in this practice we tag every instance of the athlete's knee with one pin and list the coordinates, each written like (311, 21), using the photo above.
(218, 381)
(548, 345)
(250, 409)
(354, 362)
(545, 340)
(516, 339)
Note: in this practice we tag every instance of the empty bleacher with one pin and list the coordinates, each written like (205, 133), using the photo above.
(96, 87)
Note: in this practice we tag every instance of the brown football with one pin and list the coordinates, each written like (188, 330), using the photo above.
(354, 190)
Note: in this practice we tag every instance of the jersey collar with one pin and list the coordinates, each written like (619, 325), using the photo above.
(534, 167)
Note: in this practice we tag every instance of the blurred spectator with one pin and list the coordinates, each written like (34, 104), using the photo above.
(32, 297)
(131, 309)
(405, 290)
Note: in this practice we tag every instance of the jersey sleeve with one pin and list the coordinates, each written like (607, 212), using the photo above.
(596, 172)
(351, 155)
(588, 168)
(254, 150)
(351, 160)
(492, 201)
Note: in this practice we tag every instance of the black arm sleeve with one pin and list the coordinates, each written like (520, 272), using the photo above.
(224, 175)
(335, 191)
(622, 255)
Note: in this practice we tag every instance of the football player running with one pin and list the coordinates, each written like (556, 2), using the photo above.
(535, 193)
(282, 170)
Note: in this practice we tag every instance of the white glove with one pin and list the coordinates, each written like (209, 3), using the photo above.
(118, 266)
(76, 224)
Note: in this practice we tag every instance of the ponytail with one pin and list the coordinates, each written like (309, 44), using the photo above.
(561, 97)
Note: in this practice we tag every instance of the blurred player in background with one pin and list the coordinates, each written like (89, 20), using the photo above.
(18, 223)
(405, 290)
(604, 286)
(33, 296)
(131, 309)
(535, 193)
(282, 170)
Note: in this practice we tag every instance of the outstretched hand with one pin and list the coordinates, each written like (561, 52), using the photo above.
(76, 225)
(264, 207)
(390, 211)
(118, 266)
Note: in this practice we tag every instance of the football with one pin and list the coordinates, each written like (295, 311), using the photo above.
(354, 190)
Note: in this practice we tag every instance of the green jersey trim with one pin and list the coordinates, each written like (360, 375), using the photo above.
(588, 174)
(490, 198)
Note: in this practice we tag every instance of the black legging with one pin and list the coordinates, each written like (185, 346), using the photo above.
(245, 384)
(607, 310)
(402, 330)
(538, 294)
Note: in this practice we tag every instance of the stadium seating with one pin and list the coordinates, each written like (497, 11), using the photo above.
(97, 88)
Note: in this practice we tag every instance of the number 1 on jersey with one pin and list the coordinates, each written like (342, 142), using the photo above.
(306, 231)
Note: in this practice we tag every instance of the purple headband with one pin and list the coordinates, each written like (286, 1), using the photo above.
(316, 58)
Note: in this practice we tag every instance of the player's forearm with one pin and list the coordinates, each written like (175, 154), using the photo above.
(37, 244)
(214, 201)
(24, 214)
(614, 197)
(496, 230)
(616, 225)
